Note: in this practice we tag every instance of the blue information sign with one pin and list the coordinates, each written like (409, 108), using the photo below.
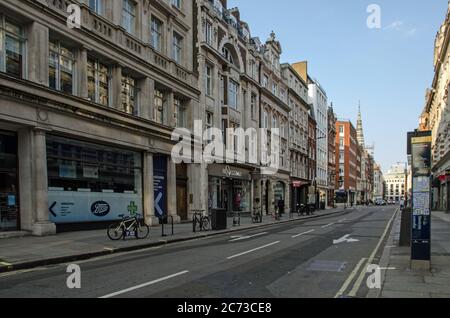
(160, 186)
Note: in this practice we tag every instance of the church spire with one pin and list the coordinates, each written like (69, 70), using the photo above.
(359, 128)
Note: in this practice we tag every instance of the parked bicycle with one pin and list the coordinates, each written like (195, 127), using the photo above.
(257, 216)
(200, 220)
(128, 226)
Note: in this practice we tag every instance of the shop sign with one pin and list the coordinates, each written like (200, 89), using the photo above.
(160, 186)
(227, 171)
(296, 184)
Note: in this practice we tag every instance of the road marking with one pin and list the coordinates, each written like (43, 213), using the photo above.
(253, 250)
(328, 225)
(246, 237)
(304, 233)
(340, 221)
(345, 239)
(363, 273)
(109, 249)
(5, 264)
(350, 278)
(144, 285)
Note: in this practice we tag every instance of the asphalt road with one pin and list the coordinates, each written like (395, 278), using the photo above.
(298, 260)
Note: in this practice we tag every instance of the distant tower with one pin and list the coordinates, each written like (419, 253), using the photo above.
(359, 128)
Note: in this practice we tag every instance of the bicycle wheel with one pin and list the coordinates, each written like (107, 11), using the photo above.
(142, 231)
(115, 232)
(205, 223)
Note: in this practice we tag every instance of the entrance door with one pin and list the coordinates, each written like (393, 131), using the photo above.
(182, 202)
(9, 201)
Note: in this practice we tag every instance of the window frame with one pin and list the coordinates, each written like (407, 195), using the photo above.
(20, 38)
(58, 69)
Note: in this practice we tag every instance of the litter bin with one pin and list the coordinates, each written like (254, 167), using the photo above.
(218, 219)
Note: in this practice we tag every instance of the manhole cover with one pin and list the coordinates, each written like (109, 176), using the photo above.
(327, 266)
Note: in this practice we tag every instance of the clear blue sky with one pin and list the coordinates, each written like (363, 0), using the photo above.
(388, 69)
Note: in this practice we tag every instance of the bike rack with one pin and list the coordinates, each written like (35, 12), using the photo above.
(162, 225)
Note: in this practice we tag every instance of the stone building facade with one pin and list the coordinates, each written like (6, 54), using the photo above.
(436, 118)
(87, 113)
(332, 187)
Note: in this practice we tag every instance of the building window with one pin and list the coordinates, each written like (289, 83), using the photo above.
(233, 89)
(11, 48)
(159, 106)
(265, 81)
(265, 123)
(129, 95)
(208, 80)
(180, 112)
(209, 33)
(177, 47)
(253, 107)
(96, 6)
(98, 82)
(209, 124)
(61, 68)
(129, 16)
(177, 4)
(156, 34)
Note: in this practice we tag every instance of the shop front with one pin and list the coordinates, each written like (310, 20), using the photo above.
(230, 189)
(9, 201)
(299, 194)
(91, 183)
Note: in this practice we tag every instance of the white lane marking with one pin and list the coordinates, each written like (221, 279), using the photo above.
(253, 250)
(144, 285)
(304, 233)
(345, 239)
(350, 278)
(246, 237)
(328, 225)
(340, 221)
(363, 273)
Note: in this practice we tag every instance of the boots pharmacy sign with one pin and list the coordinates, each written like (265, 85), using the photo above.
(419, 148)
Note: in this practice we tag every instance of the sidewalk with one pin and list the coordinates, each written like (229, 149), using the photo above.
(401, 282)
(28, 252)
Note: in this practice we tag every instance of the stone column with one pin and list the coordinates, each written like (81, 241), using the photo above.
(42, 225)
(149, 194)
(116, 10)
(146, 98)
(172, 190)
(117, 87)
(38, 49)
(82, 77)
(169, 118)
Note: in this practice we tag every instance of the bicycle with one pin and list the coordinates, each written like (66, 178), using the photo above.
(202, 220)
(129, 226)
(257, 216)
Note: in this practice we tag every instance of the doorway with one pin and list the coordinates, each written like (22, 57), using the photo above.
(9, 200)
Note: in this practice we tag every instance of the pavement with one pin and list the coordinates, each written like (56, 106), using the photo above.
(399, 281)
(26, 252)
(322, 257)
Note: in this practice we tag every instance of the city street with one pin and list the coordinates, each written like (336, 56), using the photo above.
(322, 257)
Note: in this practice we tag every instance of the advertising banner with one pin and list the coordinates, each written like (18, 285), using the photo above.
(78, 207)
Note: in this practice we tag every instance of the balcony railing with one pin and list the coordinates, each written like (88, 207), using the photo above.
(108, 31)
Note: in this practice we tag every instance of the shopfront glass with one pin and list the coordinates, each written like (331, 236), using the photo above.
(9, 203)
(90, 182)
(229, 194)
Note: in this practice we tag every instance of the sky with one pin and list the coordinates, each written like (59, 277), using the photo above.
(388, 69)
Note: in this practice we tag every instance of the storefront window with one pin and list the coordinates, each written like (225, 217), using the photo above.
(9, 209)
(85, 178)
(228, 194)
(241, 196)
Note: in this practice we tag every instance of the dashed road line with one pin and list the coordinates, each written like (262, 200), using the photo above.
(253, 250)
(304, 233)
(247, 237)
